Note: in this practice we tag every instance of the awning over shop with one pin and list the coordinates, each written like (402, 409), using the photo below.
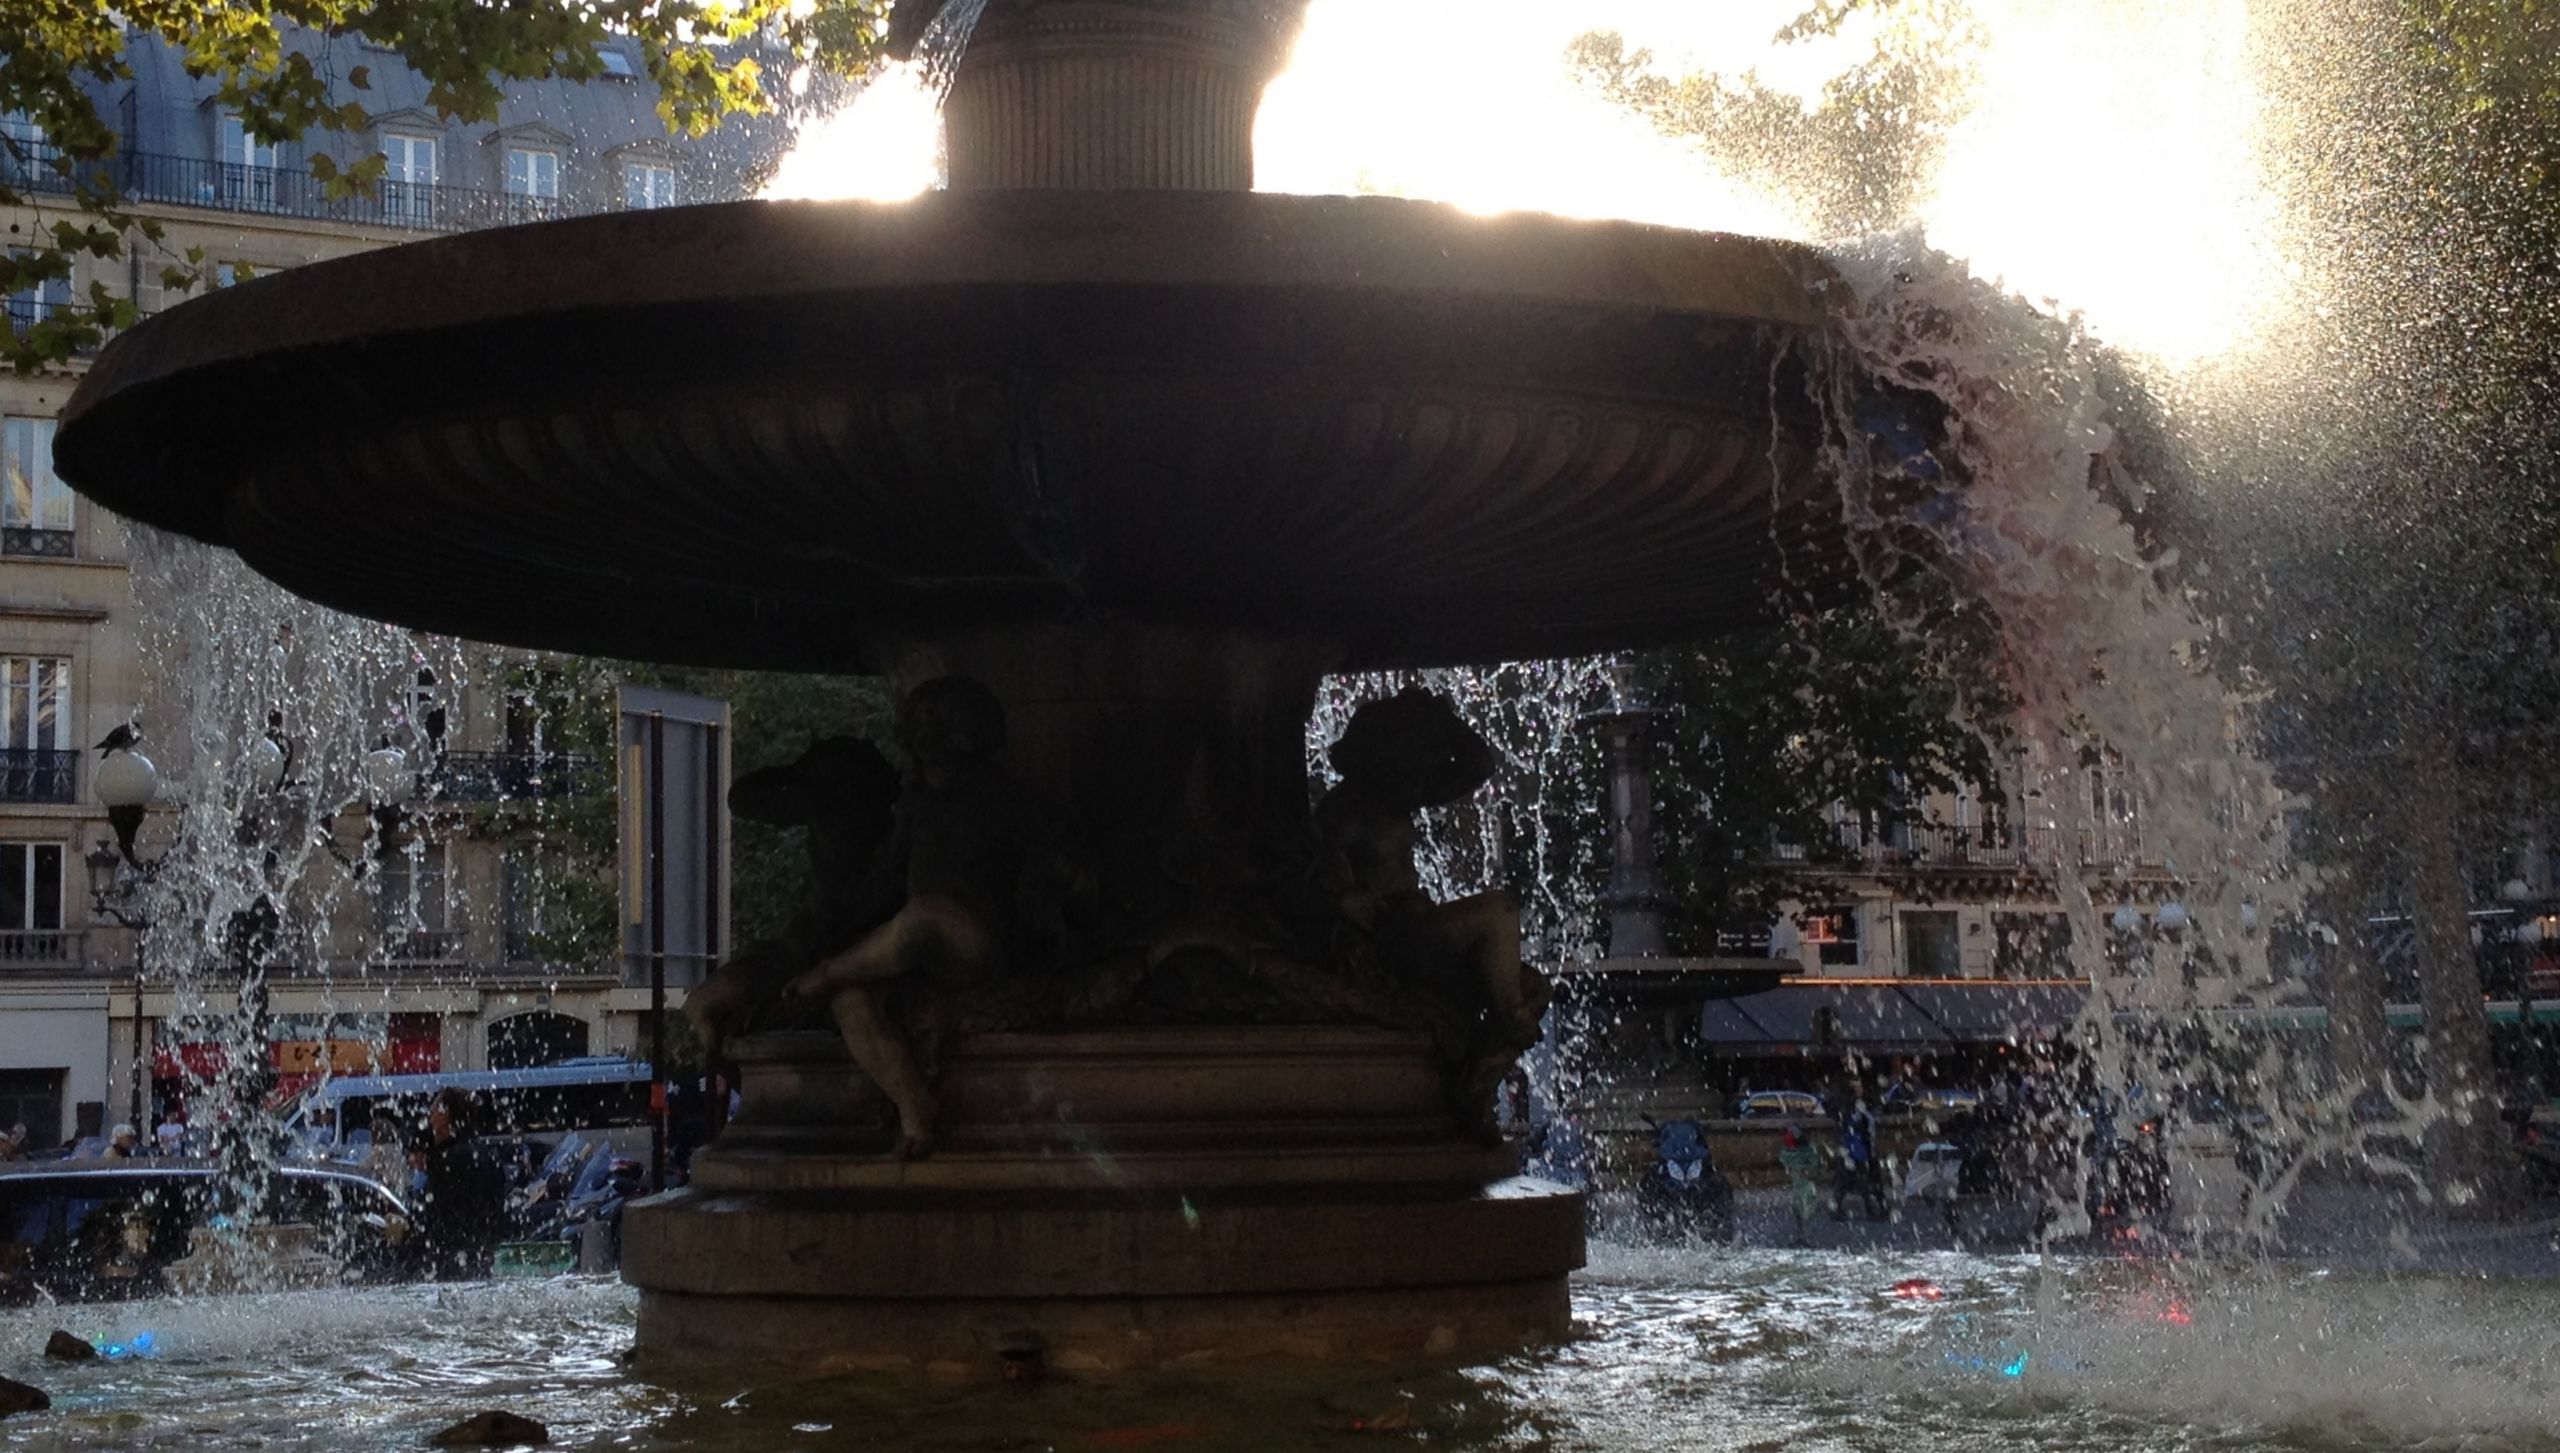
(1993, 1011)
(1926, 1016)
(1870, 1015)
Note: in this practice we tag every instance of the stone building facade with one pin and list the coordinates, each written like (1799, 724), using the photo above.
(84, 1042)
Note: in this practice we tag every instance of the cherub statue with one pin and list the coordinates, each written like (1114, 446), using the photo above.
(841, 792)
(960, 857)
(1399, 756)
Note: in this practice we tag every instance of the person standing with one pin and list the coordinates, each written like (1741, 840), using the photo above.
(1800, 1161)
(462, 1209)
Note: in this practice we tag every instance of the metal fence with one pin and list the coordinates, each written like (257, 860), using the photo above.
(507, 776)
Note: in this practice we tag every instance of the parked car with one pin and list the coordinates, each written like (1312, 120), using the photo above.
(1777, 1105)
(89, 1230)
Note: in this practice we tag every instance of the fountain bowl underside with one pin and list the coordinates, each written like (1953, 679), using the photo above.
(782, 434)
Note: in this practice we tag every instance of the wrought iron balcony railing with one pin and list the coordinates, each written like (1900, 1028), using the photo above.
(423, 946)
(39, 774)
(506, 776)
(26, 540)
(190, 181)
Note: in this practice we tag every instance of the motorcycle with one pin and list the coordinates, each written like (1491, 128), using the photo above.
(1682, 1196)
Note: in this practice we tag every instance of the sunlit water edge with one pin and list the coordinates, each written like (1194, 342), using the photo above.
(1681, 1349)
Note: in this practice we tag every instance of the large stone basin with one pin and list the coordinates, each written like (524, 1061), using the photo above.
(801, 435)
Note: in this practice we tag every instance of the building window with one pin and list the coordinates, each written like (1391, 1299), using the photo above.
(35, 512)
(28, 157)
(532, 172)
(409, 180)
(32, 302)
(248, 175)
(648, 184)
(1930, 949)
(37, 763)
(30, 887)
(616, 65)
(1834, 934)
(2030, 946)
(409, 904)
(31, 905)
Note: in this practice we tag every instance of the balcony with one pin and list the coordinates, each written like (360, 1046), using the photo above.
(39, 774)
(423, 948)
(1938, 846)
(510, 776)
(42, 544)
(293, 192)
(33, 949)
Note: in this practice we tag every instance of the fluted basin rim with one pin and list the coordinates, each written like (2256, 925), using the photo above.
(1421, 435)
(738, 251)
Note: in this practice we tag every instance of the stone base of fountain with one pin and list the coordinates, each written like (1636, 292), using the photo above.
(251, 1259)
(1104, 1201)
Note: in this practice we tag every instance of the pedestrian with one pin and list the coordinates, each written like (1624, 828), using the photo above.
(386, 1159)
(461, 1211)
(1800, 1161)
(170, 1135)
(13, 1146)
(122, 1142)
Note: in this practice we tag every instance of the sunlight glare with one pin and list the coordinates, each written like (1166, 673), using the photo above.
(885, 146)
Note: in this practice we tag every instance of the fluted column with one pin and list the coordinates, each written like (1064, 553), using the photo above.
(1102, 94)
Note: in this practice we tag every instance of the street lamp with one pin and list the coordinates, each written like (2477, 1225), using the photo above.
(126, 781)
(110, 897)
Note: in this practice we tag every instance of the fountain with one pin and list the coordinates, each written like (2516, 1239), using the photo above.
(1105, 459)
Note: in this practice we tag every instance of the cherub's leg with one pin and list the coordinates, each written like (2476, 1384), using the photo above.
(883, 953)
(737, 991)
(928, 927)
(1487, 927)
(881, 1051)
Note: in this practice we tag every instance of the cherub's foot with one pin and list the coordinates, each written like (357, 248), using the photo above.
(913, 1144)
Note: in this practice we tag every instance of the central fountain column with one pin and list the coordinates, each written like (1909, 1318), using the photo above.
(1250, 1151)
(1098, 94)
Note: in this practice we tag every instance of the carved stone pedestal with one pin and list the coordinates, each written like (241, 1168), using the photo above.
(1105, 1200)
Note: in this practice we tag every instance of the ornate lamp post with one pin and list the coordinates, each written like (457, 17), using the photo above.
(1634, 896)
(126, 783)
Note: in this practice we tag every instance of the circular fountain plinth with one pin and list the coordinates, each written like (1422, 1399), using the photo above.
(1119, 1199)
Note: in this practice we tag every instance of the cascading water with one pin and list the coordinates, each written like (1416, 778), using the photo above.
(2015, 490)
(305, 735)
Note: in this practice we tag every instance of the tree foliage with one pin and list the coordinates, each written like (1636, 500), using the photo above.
(1776, 730)
(56, 58)
(1853, 155)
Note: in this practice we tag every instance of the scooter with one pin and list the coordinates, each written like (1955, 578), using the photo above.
(1682, 1196)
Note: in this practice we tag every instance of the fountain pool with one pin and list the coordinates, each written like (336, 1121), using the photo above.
(1675, 1350)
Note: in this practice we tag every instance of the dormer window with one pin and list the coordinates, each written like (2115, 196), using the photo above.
(533, 172)
(648, 184)
(247, 175)
(409, 180)
(26, 153)
(616, 65)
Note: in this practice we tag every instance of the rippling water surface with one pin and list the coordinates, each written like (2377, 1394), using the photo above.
(1721, 1351)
